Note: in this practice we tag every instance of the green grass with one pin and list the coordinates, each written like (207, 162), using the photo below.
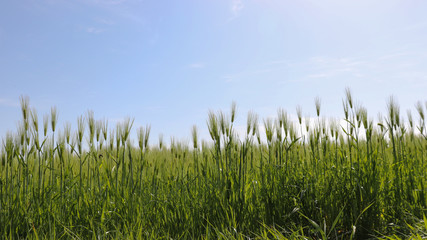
(357, 180)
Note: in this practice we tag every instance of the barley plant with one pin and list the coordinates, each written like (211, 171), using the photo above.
(356, 177)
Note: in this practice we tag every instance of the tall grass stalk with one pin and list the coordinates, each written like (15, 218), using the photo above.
(316, 179)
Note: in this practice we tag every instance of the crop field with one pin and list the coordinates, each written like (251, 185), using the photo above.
(361, 176)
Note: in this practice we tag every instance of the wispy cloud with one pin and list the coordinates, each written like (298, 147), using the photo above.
(105, 21)
(319, 75)
(267, 68)
(278, 62)
(417, 27)
(196, 65)
(228, 78)
(236, 7)
(324, 67)
(245, 75)
(395, 66)
(125, 9)
(94, 30)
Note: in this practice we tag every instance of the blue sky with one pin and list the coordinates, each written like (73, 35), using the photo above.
(166, 63)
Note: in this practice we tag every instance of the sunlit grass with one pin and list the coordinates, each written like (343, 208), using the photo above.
(318, 179)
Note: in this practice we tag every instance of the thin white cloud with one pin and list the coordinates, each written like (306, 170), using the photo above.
(392, 55)
(105, 21)
(328, 67)
(417, 27)
(319, 75)
(125, 9)
(115, 2)
(278, 62)
(228, 78)
(236, 7)
(244, 75)
(392, 67)
(94, 30)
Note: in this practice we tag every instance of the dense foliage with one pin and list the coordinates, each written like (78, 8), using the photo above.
(311, 178)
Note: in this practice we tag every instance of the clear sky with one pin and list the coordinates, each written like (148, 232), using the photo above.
(167, 63)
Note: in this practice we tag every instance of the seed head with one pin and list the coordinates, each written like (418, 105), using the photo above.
(249, 123)
(61, 138)
(160, 141)
(362, 116)
(269, 129)
(317, 102)
(21, 133)
(73, 141)
(283, 119)
(307, 123)
(45, 124)
(67, 131)
(53, 118)
(345, 106)
(393, 112)
(420, 110)
(222, 122)
(9, 145)
(278, 130)
(349, 97)
(141, 138)
(80, 128)
(35, 120)
(98, 129)
(105, 129)
(118, 135)
(111, 139)
(254, 124)
(24, 100)
(299, 114)
(213, 126)
(194, 136)
(410, 120)
(147, 135)
(91, 124)
(126, 127)
(233, 111)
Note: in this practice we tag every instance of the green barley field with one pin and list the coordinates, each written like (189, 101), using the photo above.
(358, 177)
